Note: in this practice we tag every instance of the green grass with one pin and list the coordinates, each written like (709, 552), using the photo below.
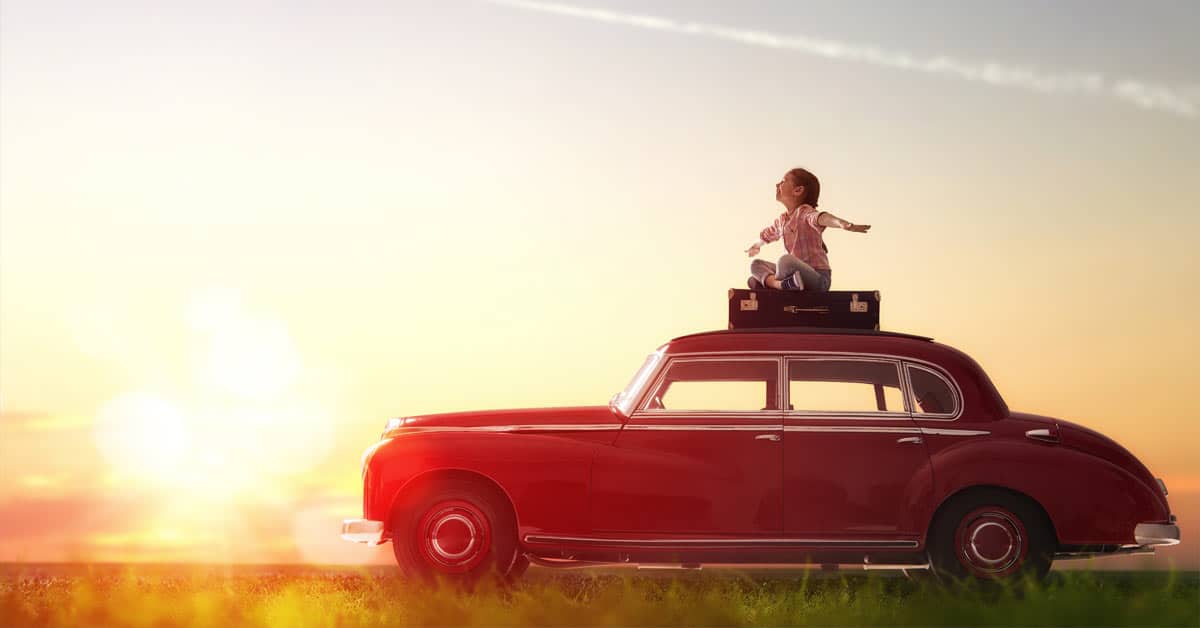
(287, 597)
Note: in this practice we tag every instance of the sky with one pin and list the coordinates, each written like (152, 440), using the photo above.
(236, 237)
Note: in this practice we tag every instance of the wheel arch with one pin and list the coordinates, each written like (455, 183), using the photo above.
(415, 487)
(979, 490)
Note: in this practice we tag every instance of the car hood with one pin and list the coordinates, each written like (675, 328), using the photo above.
(525, 417)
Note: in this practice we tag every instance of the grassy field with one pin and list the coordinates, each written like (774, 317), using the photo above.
(162, 596)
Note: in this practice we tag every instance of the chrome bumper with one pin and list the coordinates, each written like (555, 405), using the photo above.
(362, 531)
(1151, 534)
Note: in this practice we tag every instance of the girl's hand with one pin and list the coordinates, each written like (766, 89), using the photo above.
(753, 250)
(858, 228)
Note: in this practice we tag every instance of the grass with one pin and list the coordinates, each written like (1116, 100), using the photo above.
(297, 597)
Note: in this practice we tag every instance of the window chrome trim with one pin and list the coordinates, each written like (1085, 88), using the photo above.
(732, 356)
(837, 414)
(937, 370)
(591, 540)
(955, 392)
(766, 427)
(760, 416)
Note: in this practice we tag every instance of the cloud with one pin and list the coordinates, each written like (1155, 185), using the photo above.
(22, 421)
(1179, 100)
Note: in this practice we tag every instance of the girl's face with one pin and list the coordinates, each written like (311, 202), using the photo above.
(787, 189)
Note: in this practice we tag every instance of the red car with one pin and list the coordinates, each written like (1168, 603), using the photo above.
(800, 446)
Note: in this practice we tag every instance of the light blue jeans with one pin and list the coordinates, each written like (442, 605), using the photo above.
(814, 279)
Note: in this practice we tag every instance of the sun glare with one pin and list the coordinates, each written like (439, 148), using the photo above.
(254, 359)
(141, 434)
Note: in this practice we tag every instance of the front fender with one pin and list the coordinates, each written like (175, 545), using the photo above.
(545, 476)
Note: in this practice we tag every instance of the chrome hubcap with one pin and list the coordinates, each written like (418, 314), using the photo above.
(459, 533)
(991, 541)
(454, 536)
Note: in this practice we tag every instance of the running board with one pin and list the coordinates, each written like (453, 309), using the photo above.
(900, 567)
(567, 563)
(1124, 550)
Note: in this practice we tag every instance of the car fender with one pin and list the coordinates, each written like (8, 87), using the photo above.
(1088, 499)
(545, 476)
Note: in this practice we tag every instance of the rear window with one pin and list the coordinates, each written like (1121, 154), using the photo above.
(932, 394)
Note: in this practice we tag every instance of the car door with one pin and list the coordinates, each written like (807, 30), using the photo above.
(701, 455)
(855, 464)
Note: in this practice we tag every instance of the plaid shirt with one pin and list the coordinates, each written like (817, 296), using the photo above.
(801, 236)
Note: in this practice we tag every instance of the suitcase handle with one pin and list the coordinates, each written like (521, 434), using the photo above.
(794, 309)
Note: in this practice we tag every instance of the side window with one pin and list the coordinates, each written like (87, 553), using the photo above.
(833, 385)
(931, 393)
(716, 386)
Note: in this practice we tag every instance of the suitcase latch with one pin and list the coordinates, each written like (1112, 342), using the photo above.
(751, 304)
(795, 309)
(856, 305)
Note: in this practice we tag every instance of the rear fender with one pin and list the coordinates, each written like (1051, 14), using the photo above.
(1088, 499)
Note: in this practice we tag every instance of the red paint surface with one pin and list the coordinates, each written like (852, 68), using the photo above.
(609, 482)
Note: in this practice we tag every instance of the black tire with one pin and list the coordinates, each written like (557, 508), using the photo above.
(990, 535)
(483, 543)
(518, 569)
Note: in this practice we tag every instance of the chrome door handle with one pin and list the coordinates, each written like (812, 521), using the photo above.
(1045, 436)
(910, 439)
(772, 437)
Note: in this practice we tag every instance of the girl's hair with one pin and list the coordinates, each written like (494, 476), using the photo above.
(808, 180)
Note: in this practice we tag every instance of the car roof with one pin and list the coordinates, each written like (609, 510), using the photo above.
(804, 331)
(978, 389)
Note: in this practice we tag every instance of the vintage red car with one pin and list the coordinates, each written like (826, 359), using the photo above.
(792, 446)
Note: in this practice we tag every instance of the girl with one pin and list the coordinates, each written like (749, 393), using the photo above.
(805, 266)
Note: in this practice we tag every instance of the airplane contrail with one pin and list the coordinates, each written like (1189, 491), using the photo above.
(1180, 100)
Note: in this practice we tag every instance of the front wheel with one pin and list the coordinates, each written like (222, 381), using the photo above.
(990, 535)
(457, 532)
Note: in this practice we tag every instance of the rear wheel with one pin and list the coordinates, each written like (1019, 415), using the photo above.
(455, 531)
(990, 535)
(519, 567)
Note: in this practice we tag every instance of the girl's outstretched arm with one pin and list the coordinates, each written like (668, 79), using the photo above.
(826, 219)
(769, 234)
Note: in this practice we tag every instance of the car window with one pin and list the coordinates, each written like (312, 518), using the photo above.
(844, 385)
(931, 393)
(626, 398)
(716, 386)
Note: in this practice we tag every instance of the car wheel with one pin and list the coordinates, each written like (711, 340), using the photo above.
(990, 535)
(456, 532)
(518, 569)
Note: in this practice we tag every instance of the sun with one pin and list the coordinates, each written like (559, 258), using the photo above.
(142, 434)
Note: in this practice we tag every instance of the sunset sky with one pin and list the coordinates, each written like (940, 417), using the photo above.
(236, 237)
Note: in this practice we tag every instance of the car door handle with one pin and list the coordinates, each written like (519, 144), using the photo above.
(910, 439)
(771, 437)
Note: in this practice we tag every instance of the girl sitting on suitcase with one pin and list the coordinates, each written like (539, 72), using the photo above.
(805, 266)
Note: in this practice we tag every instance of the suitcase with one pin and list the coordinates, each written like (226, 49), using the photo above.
(851, 309)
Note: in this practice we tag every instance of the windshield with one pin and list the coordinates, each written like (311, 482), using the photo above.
(625, 399)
